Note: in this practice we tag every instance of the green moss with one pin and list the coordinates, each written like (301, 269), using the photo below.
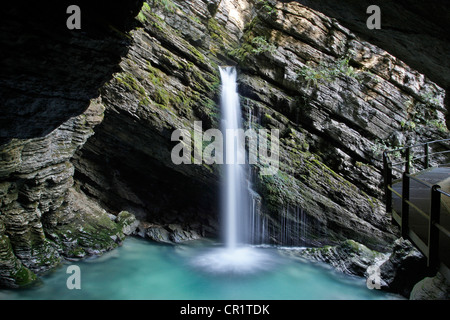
(145, 101)
(326, 73)
(242, 52)
(195, 19)
(160, 95)
(200, 57)
(261, 45)
(24, 277)
(266, 7)
(88, 233)
(214, 29)
(217, 32)
(130, 82)
(142, 13)
(305, 146)
(440, 125)
(167, 5)
(77, 252)
(255, 41)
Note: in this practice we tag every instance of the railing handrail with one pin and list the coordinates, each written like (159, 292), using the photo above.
(434, 227)
(406, 158)
(415, 145)
(443, 192)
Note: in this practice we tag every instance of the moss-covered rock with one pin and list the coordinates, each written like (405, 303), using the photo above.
(84, 228)
(349, 256)
(13, 274)
(127, 223)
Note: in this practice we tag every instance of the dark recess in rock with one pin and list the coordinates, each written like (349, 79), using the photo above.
(49, 73)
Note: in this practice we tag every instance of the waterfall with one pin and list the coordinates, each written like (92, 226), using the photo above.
(235, 196)
(240, 203)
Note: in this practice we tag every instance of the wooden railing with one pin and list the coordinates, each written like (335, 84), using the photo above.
(431, 246)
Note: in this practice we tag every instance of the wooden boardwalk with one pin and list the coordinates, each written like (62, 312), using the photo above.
(420, 197)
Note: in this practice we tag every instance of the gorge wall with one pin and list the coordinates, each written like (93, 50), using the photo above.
(86, 132)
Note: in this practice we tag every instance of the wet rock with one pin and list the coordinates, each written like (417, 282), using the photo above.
(84, 228)
(431, 288)
(128, 221)
(404, 268)
(172, 233)
(13, 274)
(180, 235)
(158, 234)
(349, 257)
(399, 270)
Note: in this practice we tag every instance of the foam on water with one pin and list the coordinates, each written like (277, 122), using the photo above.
(241, 260)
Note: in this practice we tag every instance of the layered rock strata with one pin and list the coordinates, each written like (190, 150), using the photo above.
(49, 101)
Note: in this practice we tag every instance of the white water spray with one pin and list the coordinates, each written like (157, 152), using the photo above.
(234, 207)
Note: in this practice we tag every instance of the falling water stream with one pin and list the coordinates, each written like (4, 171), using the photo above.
(235, 194)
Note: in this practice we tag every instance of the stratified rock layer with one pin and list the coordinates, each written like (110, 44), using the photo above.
(49, 100)
(336, 100)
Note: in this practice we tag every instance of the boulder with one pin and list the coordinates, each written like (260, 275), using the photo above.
(171, 233)
(128, 221)
(404, 268)
(431, 288)
(158, 234)
(349, 257)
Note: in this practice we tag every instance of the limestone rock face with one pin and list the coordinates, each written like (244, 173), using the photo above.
(337, 101)
(49, 106)
(87, 119)
(431, 288)
(412, 30)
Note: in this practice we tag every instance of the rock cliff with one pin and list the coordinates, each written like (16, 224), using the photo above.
(50, 103)
(92, 136)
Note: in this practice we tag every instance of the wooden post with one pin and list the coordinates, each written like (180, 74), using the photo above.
(405, 206)
(408, 163)
(387, 181)
(405, 197)
(433, 231)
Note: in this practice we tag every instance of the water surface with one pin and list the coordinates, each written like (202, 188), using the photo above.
(197, 270)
